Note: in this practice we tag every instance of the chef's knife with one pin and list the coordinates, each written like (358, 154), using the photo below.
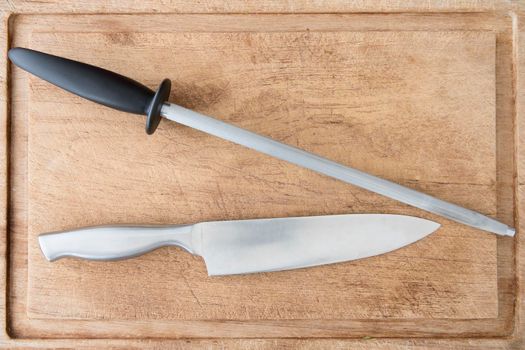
(116, 91)
(248, 246)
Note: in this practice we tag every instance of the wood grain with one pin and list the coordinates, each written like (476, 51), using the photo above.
(22, 327)
(348, 96)
(256, 328)
(4, 186)
(241, 6)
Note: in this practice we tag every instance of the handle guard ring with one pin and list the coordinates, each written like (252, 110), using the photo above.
(153, 113)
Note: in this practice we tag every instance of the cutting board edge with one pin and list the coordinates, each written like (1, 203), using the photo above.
(512, 340)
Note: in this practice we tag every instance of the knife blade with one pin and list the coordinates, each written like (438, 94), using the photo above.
(249, 246)
(119, 92)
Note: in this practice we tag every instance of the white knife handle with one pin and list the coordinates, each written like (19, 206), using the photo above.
(113, 242)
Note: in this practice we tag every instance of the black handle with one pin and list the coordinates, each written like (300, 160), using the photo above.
(95, 84)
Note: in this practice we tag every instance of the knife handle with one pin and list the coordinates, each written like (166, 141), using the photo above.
(113, 242)
(95, 84)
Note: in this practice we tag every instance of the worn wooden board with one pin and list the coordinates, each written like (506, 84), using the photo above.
(407, 295)
(334, 93)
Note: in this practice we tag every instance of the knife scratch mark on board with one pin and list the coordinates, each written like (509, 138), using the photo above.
(190, 289)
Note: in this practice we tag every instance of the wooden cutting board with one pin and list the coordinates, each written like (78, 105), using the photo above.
(428, 101)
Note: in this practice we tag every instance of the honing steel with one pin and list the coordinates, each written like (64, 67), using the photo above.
(119, 92)
(248, 246)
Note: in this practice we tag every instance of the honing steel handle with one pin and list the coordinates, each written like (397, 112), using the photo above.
(95, 84)
(113, 242)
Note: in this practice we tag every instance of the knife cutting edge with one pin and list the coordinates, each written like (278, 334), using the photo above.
(119, 92)
(249, 246)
